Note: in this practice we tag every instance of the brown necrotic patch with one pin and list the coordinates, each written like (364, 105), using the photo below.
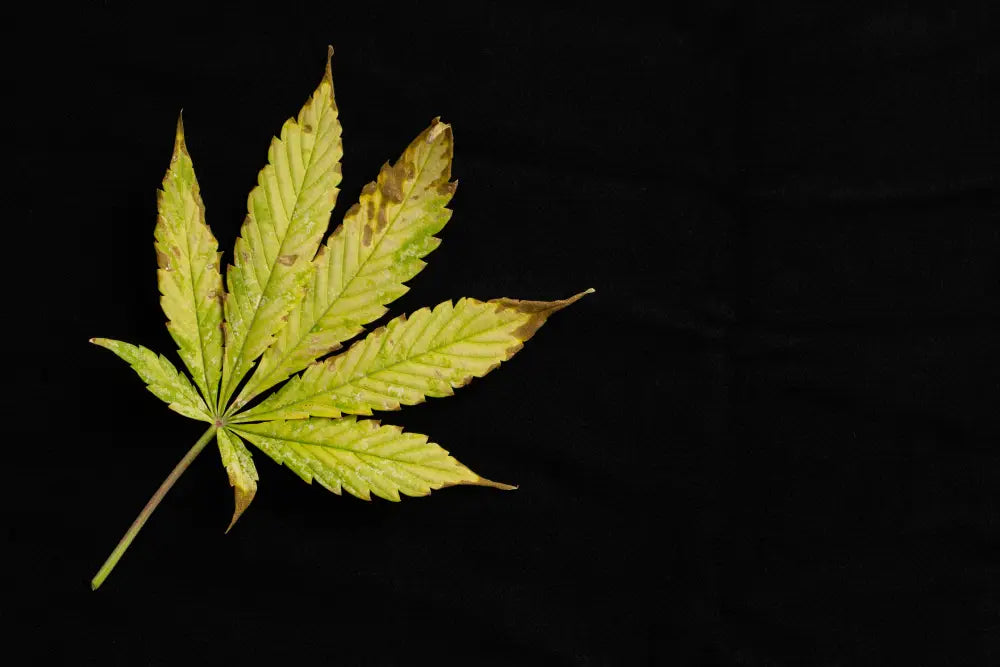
(392, 185)
(382, 221)
(163, 260)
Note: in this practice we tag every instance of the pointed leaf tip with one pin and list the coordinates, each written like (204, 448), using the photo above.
(544, 308)
(328, 73)
(242, 500)
(576, 297)
(436, 129)
(482, 481)
(179, 145)
(559, 305)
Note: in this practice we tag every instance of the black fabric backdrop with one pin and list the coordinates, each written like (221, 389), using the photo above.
(770, 438)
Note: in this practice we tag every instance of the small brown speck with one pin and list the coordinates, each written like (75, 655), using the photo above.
(392, 186)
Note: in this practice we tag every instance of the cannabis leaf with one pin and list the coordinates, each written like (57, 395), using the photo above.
(290, 302)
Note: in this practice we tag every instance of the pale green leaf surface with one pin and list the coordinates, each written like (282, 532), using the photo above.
(288, 213)
(365, 262)
(161, 378)
(290, 303)
(428, 354)
(240, 468)
(360, 457)
(188, 275)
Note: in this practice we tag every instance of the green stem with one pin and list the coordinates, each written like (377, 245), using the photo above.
(178, 470)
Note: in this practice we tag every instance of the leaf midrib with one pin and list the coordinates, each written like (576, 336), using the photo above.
(307, 443)
(199, 207)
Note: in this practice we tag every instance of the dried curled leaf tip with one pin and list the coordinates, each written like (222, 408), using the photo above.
(482, 481)
(436, 129)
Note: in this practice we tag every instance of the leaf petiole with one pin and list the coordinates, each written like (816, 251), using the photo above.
(136, 526)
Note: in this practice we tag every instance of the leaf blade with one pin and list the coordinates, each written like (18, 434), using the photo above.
(161, 377)
(361, 457)
(288, 212)
(428, 354)
(366, 261)
(240, 469)
(188, 271)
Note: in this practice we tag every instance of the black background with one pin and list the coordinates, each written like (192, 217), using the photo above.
(770, 438)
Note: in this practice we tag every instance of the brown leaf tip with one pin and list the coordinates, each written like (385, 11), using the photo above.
(328, 72)
(539, 310)
(545, 308)
(242, 498)
(179, 145)
(482, 481)
(436, 129)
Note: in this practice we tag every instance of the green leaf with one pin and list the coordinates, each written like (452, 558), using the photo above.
(428, 354)
(188, 274)
(240, 468)
(161, 378)
(361, 457)
(365, 262)
(290, 303)
(289, 211)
